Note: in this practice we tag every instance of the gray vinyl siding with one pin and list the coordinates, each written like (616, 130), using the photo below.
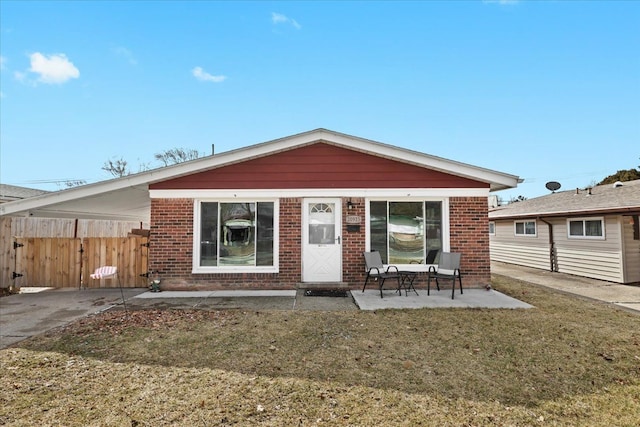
(631, 252)
(594, 258)
(529, 251)
(597, 259)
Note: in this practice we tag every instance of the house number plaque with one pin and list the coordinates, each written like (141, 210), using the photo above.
(353, 219)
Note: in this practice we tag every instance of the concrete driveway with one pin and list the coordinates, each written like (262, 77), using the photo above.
(27, 314)
(625, 296)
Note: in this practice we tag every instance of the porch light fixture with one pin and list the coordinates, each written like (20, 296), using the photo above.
(350, 204)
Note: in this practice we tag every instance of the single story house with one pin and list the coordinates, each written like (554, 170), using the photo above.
(593, 232)
(296, 210)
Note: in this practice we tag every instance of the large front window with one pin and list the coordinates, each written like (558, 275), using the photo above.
(405, 232)
(236, 234)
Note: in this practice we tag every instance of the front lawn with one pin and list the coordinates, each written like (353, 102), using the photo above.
(566, 362)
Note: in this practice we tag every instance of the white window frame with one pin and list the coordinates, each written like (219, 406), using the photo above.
(198, 269)
(446, 234)
(492, 228)
(524, 222)
(583, 220)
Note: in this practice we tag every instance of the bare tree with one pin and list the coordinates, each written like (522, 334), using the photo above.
(117, 167)
(120, 167)
(176, 155)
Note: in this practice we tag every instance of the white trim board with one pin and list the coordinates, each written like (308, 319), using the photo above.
(402, 193)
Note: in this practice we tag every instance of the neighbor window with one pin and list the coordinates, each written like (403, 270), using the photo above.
(492, 228)
(586, 228)
(525, 228)
(235, 234)
(405, 232)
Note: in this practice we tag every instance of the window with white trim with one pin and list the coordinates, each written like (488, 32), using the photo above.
(585, 228)
(492, 228)
(525, 228)
(235, 235)
(405, 232)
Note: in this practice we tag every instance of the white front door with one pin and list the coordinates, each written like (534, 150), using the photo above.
(321, 240)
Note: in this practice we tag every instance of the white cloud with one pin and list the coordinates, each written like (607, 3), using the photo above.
(125, 53)
(203, 76)
(278, 18)
(54, 69)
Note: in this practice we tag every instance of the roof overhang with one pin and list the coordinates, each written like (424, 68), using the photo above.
(569, 214)
(127, 198)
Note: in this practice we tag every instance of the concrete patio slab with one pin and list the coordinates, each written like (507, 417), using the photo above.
(472, 298)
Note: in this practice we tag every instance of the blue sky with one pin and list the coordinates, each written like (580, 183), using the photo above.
(543, 90)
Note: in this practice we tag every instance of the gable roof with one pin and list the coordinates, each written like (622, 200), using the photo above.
(621, 198)
(127, 198)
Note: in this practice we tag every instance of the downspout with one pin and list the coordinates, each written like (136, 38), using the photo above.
(553, 259)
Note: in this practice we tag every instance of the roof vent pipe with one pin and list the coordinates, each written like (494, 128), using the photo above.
(213, 149)
(589, 191)
(577, 190)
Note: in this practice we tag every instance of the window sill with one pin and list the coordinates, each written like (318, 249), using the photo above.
(233, 270)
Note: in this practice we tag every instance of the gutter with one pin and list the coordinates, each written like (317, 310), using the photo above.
(553, 257)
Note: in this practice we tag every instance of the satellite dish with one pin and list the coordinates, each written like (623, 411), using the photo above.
(553, 186)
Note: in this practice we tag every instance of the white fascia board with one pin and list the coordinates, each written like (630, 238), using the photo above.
(497, 180)
(303, 192)
(566, 212)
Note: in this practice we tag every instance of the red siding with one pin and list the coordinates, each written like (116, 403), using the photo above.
(318, 166)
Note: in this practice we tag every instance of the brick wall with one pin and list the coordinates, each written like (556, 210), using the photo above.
(171, 248)
(469, 224)
(353, 243)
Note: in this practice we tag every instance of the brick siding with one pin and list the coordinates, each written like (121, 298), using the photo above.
(171, 248)
(469, 233)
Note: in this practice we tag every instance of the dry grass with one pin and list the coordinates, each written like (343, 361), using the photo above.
(567, 362)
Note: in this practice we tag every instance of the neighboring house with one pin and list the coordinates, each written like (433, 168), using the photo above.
(11, 193)
(592, 233)
(300, 209)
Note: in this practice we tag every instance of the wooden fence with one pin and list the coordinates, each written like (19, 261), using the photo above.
(48, 261)
(62, 252)
(62, 262)
(129, 254)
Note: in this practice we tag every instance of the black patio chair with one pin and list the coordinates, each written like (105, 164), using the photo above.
(376, 271)
(448, 268)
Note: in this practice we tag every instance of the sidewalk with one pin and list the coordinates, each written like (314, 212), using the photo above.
(626, 296)
(296, 300)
